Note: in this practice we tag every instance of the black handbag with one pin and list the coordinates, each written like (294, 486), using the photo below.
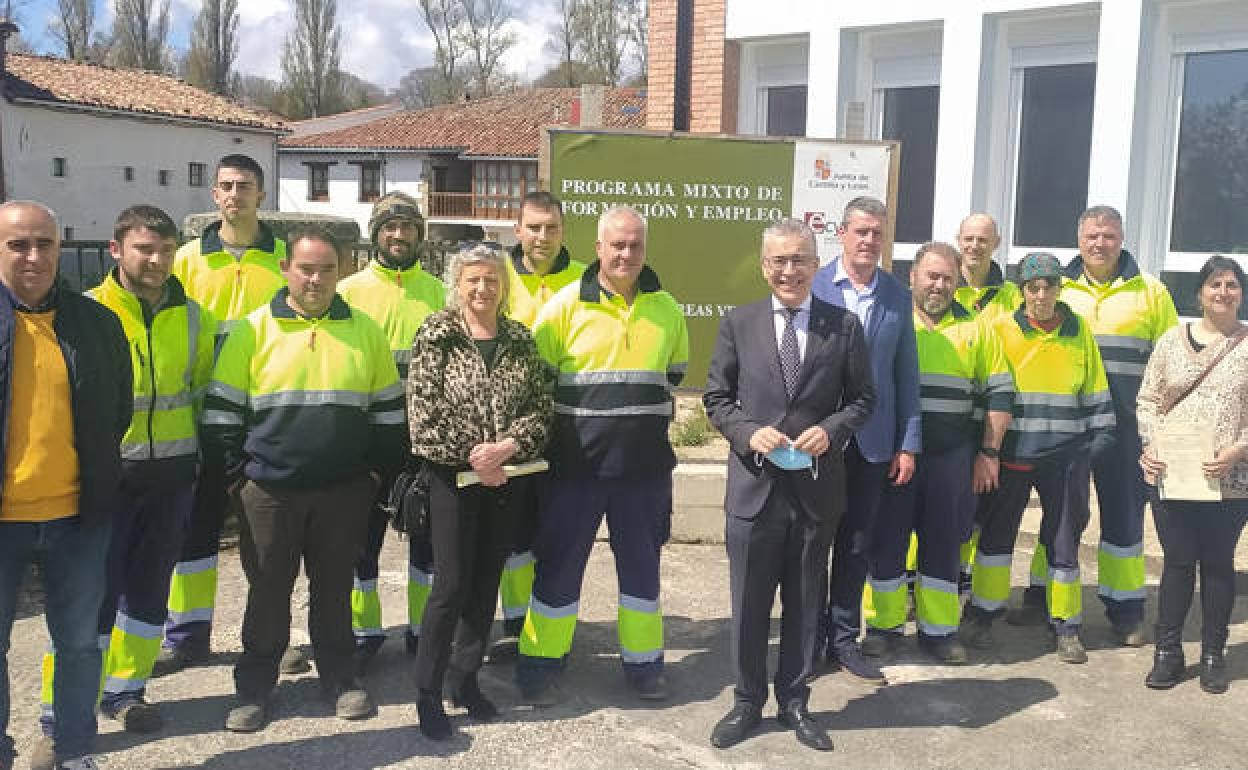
(408, 502)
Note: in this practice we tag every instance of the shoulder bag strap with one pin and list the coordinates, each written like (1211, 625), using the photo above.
(1238, 338)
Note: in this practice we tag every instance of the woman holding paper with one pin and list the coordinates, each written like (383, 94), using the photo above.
(479, 400)
(1198, 376)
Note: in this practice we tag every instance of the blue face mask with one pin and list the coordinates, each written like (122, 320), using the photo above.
(789, 459)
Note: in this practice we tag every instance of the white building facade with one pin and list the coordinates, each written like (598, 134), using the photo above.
(1029, 110)
(89, 165)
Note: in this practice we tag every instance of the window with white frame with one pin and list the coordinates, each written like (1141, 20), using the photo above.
(1054, 146)
(1211, 166)
(772, 87)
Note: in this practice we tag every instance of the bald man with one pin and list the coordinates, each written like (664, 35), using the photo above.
(65, 367)
(983, 290)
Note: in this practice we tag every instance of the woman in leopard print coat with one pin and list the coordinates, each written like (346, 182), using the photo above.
(479, 397)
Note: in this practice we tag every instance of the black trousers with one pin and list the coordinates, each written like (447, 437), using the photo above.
(785, 546)
(322, 527)
(1203, 534)
(471, 532)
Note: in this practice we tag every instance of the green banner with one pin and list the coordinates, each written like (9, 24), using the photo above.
(707, 201)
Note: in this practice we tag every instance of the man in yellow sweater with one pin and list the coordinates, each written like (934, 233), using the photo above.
(65, 403)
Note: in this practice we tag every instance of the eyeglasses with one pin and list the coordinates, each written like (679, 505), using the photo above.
(227, 186)
(796, 261)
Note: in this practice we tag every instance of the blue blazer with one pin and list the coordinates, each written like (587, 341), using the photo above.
(894, 425)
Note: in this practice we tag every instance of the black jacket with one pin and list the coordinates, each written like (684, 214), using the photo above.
(101, 390)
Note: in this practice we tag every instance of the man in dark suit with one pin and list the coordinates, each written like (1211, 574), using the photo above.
(883, 450)
(789, 384)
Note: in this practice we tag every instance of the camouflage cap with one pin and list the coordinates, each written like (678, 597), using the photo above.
(1039, 264)
(395, 205)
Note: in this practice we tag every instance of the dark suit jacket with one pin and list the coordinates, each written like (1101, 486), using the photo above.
(745, 392)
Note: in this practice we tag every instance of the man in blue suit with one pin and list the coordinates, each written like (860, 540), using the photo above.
(882, 451)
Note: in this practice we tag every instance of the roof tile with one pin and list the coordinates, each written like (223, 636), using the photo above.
(72, 83)
(507, 125)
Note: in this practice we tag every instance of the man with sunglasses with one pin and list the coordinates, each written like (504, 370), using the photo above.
(789, 384)
(231, 269)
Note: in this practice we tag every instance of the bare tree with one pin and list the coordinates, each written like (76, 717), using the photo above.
(214, 46)
(73, 25)
(637, 30)
(141, 34)
(563, 41)
(483, 29)
(311, 77)
(601, 33)
(443, 17)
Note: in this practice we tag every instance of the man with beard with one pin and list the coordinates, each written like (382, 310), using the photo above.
(959, 357)
(396, 292)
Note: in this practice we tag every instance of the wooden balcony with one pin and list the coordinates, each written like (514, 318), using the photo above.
(466, 205)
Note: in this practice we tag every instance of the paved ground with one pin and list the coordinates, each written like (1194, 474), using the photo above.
(1018, 707)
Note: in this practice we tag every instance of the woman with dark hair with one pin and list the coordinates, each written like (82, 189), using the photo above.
(1199, 373)
(479, 397)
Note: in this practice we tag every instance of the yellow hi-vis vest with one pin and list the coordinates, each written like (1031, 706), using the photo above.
(305, 402)
(398, 300)
(1127, 315)
(171, 358)
(998, 296)
(230, 288)
(1061, 396)
(960, 362)
(528, 291)
(616, 365)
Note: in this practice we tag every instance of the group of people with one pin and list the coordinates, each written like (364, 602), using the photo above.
(866, 422)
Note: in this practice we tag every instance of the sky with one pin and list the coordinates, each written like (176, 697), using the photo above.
(381, 39)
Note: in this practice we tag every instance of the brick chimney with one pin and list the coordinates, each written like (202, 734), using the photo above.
(7, 29)
(693, 69)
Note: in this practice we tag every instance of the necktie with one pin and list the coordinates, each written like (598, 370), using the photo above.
(790, 357)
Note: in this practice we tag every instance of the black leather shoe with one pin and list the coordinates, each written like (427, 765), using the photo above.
(809, 732)
(857, 666)
(469, 696)
(1213, 678)
(1167, 669)
(434, 723)
(736, 726)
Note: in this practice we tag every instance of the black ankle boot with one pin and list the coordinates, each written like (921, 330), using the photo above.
(434, 723)
(1213, 678)
(1168, 666)
(468, 695)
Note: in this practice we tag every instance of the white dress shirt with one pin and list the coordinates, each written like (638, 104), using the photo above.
(801, 323)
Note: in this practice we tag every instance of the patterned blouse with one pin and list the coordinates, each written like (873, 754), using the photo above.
(1221, 401)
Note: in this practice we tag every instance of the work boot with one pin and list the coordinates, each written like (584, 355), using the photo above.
(294, 661)
(171, 660)
(1070, 649)
(247, 716)
(137, 715)
(652, 687)
(1213, 678)
(505, 650)
(1027, 615)
(879, 644)
(1168, 663)
(353, 702)
(366, 648)
(468, 696)
(79, 763)
(945, 649)
(977, 631)
(1129, 635)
